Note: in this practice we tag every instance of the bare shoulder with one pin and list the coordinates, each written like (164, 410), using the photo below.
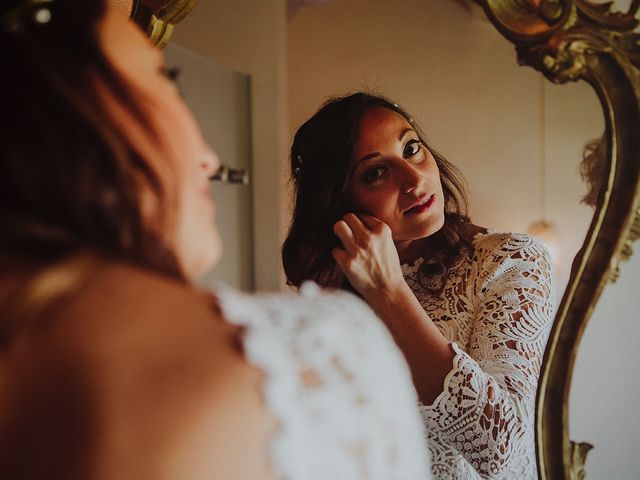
(143, 378)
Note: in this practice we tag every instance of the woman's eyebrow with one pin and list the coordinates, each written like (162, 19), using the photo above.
(404, 132)
(375, 154)
(367, 157)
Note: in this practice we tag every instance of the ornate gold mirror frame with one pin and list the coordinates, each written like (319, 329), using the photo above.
(567, 40)
(571, 40)
(158, 17)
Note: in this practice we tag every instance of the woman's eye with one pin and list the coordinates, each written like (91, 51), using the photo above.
(373, 174)
(411, 148)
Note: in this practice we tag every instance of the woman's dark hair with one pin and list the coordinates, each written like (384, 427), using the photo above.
(70, 180)
(593, 169)
(321, 159)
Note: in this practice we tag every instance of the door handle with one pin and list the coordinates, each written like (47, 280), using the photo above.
(231, 175)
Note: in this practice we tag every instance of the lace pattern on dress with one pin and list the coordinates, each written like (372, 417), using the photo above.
(337, 385)
(496, 309)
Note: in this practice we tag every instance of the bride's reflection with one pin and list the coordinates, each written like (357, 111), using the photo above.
(470, 309)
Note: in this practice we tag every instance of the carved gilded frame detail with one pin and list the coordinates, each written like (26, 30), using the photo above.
(571, 40)
(158, 17)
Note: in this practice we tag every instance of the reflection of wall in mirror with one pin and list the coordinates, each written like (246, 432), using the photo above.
(459, 77)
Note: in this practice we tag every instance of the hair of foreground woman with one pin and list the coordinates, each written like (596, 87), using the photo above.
(321, 160)
(69, 178)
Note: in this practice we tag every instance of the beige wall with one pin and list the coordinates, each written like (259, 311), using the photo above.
(459, 79)
(249, 36)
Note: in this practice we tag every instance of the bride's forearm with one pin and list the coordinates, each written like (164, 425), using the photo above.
(427, 351)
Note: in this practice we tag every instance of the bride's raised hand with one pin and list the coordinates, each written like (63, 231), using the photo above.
(369, 258)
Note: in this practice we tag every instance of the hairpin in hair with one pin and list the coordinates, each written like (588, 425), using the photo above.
(37, 12)
(298, 168)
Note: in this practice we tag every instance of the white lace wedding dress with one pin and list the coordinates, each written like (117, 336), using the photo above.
(335, 382)
(496, 309)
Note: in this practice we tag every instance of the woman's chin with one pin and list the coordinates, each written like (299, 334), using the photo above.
(196, 267)
(437, 226)
(431, 229)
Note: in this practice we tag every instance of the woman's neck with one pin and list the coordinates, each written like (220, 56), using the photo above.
(410, 250)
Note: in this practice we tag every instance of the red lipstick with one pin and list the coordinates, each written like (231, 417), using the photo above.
(421, 206)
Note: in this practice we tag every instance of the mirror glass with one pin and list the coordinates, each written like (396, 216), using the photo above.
(517, 139)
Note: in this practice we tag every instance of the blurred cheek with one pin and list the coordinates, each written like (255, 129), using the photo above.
(177, 131)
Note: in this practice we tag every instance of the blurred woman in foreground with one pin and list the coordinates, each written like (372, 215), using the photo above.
(112, 365)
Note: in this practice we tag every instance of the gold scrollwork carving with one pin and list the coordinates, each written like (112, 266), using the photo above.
(551, 10)
(158, 17)
(578, 458)
(627, 250)
(579, 40)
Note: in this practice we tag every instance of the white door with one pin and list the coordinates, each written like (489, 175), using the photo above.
(220, 101)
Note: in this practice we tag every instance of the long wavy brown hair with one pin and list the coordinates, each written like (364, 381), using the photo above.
(71, 182)
(321, 158)
(69, 177)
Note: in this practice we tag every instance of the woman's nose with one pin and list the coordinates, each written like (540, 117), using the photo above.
(410, 179)
(209, 162)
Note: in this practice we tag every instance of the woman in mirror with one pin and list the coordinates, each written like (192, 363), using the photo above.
(112, 364)
(379, 212)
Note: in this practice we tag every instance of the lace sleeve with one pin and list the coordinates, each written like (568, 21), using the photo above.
(486, 410)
